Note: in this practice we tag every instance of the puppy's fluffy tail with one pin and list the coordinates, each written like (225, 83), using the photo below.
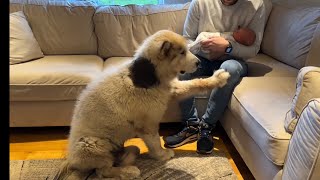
(63, 171)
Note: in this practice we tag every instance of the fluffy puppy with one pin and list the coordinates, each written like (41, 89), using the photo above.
(129, 102)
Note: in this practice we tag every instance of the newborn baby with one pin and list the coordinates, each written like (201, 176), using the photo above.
(244, 36)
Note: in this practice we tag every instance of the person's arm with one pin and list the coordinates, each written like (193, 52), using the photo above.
(190, 29)
(228, 36)
(257, 25)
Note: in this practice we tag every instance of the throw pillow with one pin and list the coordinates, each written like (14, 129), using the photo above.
(23, 45)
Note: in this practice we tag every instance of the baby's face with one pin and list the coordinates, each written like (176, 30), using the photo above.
(244, 36)
(229, 2)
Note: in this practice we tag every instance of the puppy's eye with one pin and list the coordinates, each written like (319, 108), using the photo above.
(183, 52)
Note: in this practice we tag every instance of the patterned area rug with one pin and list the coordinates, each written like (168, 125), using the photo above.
(186, 165)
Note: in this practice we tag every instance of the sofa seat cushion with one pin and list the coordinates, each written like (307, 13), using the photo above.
(263, 65)
(261, 101)
(53, 77)
(116, 62)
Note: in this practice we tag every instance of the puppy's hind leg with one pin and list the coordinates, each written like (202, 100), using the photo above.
(126, 172)
(127, 156)
(185, 89)
(89, 153)
(121, 167)
(94, 153)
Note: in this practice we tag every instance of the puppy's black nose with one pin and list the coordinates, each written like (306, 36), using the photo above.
(198, 63)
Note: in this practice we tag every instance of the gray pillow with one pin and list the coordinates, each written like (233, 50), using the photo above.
(23, 45)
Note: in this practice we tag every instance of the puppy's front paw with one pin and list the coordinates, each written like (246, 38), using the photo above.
(164, 155)
(167, 154)
(222, 77)
(129, 172)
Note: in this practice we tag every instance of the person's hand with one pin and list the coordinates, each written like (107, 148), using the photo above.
(216, 46)
(215, 43)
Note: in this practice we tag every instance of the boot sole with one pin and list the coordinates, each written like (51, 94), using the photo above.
(205, 152)
(189, 139)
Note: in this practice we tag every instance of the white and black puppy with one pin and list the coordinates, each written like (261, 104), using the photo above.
(129, 102)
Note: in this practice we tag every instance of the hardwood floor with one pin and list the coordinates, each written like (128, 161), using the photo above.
(51, 142)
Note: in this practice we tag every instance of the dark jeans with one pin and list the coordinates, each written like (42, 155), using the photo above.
(219, 97)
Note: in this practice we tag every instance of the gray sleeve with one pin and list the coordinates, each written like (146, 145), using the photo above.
(190, 29)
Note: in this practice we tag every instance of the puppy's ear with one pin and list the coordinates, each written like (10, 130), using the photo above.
(165, 49)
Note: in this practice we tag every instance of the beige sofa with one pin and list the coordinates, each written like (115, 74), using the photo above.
(80, 40)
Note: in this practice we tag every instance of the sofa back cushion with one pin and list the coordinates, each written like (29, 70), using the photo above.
(15, 7)
(121, 29)
(61, 27)
(313, 58)
(292, 31)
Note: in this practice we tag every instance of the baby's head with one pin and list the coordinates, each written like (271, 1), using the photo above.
(244, 36)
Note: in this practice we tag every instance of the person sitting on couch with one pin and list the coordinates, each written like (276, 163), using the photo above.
(218, 16)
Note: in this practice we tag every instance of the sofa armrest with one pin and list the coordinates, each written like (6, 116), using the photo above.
(303, 159)
(307, 87)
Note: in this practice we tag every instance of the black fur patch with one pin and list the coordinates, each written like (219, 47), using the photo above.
(143, 73)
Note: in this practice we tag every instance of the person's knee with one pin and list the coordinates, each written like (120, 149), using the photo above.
(234, 68)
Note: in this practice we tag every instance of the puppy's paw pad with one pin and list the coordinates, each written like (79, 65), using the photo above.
(170, 153)
(166, 154)
(222, 77)
(130, 172)
(218, 72)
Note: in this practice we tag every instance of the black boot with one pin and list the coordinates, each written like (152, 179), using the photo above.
(205, 142)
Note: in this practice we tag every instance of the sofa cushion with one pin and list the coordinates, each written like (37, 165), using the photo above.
(61, 27)
(314, 53)
(290, 30)
(307, 87)
(121, 29)
(116, 62)
(261, 101)
(15, 7)
(265, 66)
(53, 77)
(23, 46)
(261, 104)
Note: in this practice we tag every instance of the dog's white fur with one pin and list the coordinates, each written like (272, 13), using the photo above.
(118, 106)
